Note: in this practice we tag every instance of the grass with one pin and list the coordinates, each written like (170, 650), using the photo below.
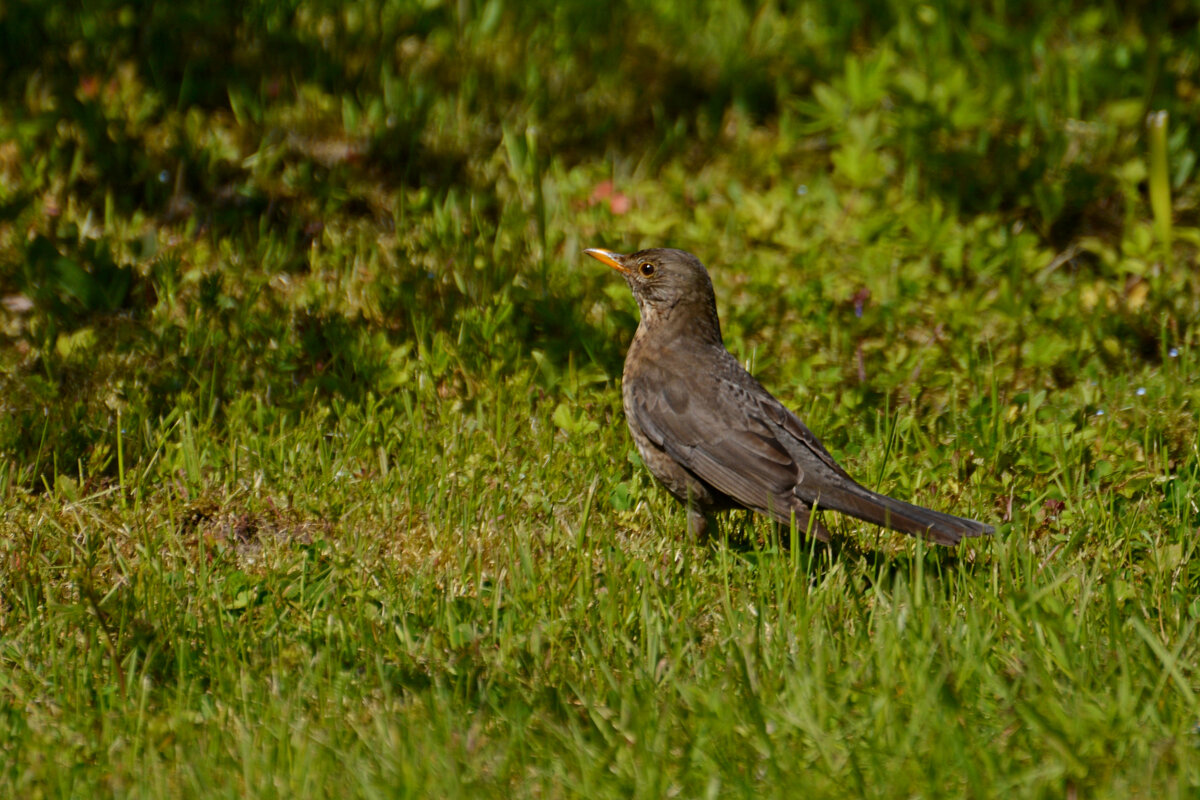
(315, 479)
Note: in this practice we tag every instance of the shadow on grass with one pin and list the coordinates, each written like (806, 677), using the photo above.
(742, 534)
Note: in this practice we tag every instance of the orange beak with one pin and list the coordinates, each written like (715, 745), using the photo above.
(608, 257)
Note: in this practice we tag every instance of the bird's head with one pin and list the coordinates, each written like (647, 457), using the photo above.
(670, 286)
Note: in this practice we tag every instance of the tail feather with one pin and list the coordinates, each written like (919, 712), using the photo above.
(898, 515)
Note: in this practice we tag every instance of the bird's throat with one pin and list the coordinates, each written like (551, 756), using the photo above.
(681, 321)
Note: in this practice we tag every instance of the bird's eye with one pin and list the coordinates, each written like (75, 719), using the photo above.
(646, 268)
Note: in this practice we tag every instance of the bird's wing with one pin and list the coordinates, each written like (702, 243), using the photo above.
(716, 429)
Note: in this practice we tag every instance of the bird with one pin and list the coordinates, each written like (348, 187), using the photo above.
(714, 437)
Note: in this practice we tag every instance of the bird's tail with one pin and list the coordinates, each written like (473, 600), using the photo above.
(900, 516)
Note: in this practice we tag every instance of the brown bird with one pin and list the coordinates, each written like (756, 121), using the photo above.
(710, 432)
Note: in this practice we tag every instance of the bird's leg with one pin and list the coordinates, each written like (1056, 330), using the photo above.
(783, 533)
(700, 524)
(805, 523)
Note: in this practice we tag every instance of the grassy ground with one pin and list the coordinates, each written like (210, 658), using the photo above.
(315, 480)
